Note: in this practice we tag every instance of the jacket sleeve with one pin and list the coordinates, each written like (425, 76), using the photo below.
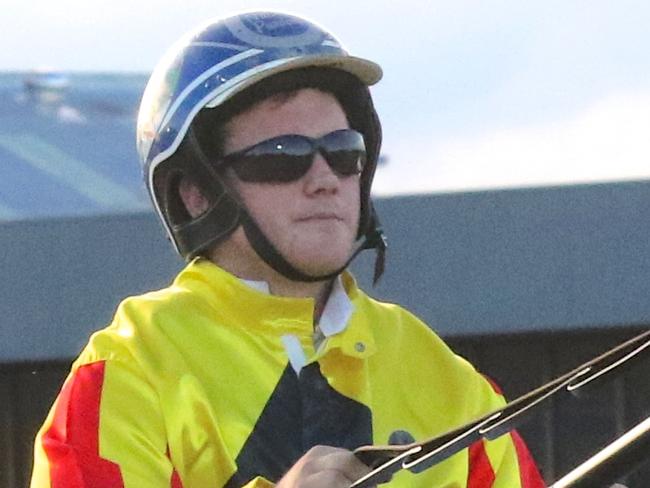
(515, 468)
(105, 429)
(529, 475)
(504, 462)
(259, 482)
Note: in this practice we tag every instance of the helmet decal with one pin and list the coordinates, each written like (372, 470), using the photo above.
(156, 101)
(225, 56)
(268, 30)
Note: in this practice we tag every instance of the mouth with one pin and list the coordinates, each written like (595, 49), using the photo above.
(320, 216)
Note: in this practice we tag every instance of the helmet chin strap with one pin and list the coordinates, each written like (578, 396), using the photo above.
(373, 238)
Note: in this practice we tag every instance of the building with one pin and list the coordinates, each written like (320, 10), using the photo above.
(527, 283)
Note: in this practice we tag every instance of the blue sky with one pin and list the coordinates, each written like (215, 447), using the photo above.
(476, 94)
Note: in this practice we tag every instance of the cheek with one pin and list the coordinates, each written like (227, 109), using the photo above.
(267, 205)
(353, 200)
(273, 206)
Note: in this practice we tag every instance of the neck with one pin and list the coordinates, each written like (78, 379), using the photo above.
(319, 291)
(244, 263)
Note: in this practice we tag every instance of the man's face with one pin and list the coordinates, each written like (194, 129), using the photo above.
(312, 221)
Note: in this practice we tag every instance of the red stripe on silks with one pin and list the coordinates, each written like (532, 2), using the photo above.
(481, 474)
(72, 441)
(493, 384)
(175, 481)
(528, 472)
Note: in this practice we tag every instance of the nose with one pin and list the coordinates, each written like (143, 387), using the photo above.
(321, 178)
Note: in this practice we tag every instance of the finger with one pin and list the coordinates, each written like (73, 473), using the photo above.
(342, 461)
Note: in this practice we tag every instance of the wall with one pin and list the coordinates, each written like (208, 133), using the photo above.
(526, 283)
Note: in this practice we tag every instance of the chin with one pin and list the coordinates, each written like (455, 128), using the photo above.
(317, 264)
(319, 253)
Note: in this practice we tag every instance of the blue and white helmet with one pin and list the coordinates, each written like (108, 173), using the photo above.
(218, 60)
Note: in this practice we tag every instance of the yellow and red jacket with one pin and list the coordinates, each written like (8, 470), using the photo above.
(191, 386)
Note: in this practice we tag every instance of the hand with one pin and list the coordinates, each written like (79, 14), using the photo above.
(324, 466)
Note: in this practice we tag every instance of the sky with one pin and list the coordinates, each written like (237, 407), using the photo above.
(475, 94)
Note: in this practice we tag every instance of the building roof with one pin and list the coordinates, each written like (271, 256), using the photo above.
(67, 145)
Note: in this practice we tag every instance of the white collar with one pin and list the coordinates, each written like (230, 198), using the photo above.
(337, 311)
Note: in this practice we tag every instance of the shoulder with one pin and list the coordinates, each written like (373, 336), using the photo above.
(139, 322)
(407, 344)
(395, 325)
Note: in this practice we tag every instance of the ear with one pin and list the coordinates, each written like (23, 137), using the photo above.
(194, 201)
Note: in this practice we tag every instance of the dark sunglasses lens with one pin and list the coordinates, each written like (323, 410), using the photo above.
(288, 158)
(345, 152)
(281, 160)
(346, 163)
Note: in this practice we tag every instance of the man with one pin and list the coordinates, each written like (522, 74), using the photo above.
(263, 363)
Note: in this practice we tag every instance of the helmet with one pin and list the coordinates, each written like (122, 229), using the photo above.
(206, 70)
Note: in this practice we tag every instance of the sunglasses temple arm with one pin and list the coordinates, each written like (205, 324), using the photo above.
(500, 421)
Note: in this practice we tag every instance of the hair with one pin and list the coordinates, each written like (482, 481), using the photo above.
(210, 124)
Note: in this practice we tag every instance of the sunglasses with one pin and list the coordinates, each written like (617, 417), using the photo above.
(288, 157)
